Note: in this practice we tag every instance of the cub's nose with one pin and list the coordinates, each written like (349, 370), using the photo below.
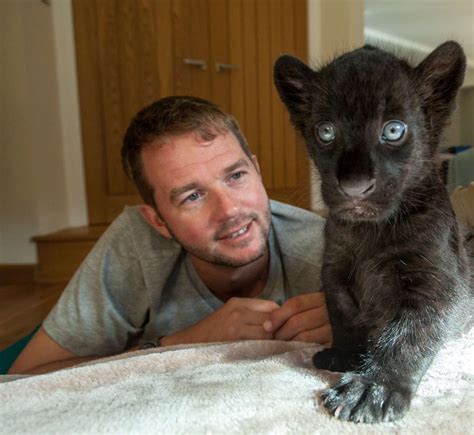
(357, 188)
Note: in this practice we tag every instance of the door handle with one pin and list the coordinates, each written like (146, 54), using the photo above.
(225, 66)
(200, 63)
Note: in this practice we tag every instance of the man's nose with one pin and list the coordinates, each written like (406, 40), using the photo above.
(225, 205)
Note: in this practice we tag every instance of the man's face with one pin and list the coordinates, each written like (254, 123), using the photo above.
(210, 197)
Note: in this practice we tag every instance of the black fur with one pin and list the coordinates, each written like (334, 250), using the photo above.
(394, 271)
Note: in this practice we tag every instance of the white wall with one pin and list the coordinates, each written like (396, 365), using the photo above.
(467, 116)
(69, 112)
(41, 176)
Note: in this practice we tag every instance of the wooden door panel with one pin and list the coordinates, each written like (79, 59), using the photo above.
(288, 45)
(127, 38)
(268, 29)
(246, 29)
(219, 42)
(191, 36)
(236, 57)
(277, 127)
(123, 64)
(111, 93)
(265, 89)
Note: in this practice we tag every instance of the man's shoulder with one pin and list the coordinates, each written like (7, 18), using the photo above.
(131, 231)
(300, 233)
(291, 217)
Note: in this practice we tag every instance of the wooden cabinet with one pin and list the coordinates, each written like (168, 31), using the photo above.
(132, 52)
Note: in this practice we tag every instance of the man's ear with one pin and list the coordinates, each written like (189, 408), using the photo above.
(154, 220)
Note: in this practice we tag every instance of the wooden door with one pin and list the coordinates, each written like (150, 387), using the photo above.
(131, 52)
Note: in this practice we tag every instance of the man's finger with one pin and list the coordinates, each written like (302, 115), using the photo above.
(251, 317)
(255, 332)
(307, 320)
(261, 305)
(322, 335)
(293, 306)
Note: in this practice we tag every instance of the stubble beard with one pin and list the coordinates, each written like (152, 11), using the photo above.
(212, 255)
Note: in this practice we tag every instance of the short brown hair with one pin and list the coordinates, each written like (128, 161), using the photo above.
(169, 117)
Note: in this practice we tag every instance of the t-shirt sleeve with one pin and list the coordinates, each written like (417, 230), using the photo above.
(105, 306)
(300, 236)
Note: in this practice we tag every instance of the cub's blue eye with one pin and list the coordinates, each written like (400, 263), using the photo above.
(326, 132)
(393, 131)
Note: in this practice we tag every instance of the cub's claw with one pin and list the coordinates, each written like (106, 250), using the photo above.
(361, 400)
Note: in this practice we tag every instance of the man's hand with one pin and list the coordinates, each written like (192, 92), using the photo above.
(302, 318)
(238, 319)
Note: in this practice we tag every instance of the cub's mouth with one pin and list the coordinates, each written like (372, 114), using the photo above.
(355, 210)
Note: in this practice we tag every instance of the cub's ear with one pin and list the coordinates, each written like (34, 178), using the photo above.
(439, 77)
(292, 80)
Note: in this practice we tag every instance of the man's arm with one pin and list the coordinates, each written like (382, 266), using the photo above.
(43, 354)
(238, 319)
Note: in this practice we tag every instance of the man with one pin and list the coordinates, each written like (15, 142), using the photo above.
(207, 258)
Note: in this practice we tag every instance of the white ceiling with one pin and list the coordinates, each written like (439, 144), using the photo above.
(418, 26)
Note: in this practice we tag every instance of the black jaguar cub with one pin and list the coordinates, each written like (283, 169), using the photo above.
(394, 270)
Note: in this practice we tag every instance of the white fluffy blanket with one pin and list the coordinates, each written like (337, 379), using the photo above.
(244, 387)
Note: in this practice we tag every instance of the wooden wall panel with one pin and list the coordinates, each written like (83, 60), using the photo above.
(124, 63)
(146, 37)
(111, 102)
(181, 20)
(191, 36)
(278, 145)
(288, 45)
(236, 57)
(250, 90)
(88, 72)
(165, 48)
(264, 91)
(219, 53)
(302, 195)
(129, 59)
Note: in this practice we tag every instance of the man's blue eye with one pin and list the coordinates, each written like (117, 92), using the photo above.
(193, 197)
(236, 176)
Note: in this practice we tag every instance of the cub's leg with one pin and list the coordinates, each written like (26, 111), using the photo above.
(398, 353)
(349, 340)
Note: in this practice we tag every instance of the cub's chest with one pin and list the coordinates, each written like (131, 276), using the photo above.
(365, 269)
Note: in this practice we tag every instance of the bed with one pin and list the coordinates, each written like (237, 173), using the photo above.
(266, 387)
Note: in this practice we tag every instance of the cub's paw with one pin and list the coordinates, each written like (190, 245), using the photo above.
(361, 400)
(336, 360)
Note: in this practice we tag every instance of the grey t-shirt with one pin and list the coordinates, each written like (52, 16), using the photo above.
(137, 285)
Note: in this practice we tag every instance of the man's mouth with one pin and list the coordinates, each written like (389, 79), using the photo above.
(237, 233)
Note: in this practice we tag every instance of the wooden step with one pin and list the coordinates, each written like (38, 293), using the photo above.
(61, 253)
(17, 273)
